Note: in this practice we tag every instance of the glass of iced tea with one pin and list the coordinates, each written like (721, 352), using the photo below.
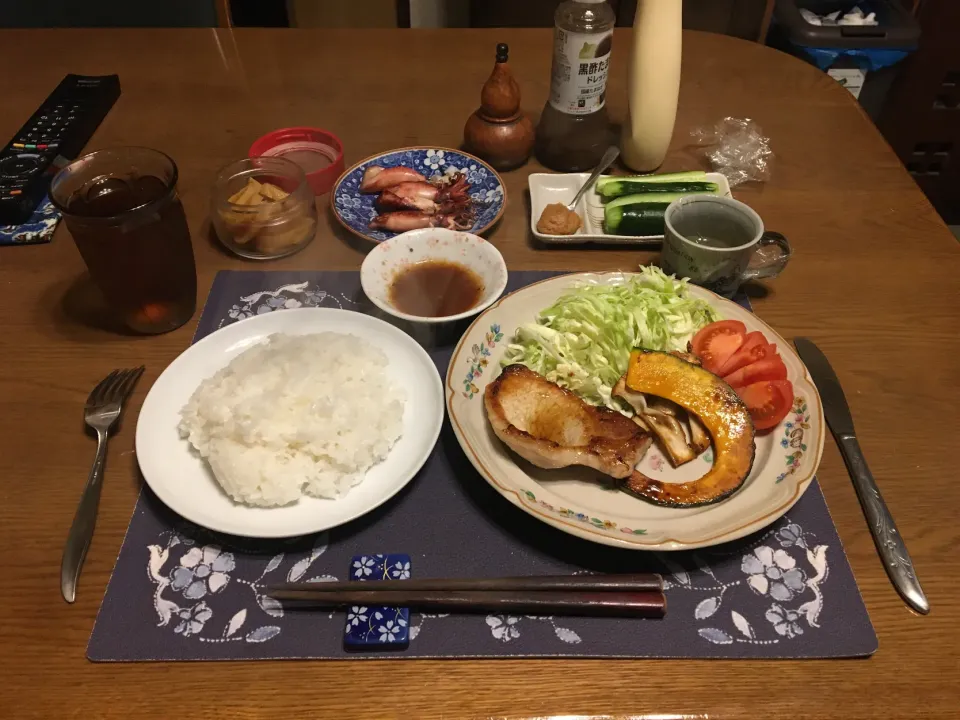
(122, 209)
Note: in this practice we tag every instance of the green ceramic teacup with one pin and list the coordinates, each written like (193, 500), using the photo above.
(719, 243)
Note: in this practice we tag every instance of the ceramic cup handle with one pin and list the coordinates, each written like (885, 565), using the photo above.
(769, 258)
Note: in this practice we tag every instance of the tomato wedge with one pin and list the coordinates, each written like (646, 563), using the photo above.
(754, 348)
(717, 342)
(769, 368)
(768, 401)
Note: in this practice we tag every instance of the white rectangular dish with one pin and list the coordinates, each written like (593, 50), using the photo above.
(546, 188)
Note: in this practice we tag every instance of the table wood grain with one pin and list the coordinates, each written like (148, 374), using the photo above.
(874, 282)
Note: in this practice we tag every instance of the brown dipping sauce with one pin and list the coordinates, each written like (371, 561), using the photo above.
(435, 288)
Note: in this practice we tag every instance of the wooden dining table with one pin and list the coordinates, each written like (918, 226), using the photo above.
(873, 280)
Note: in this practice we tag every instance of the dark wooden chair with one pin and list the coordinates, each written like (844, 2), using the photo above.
(114, 13)
(921, 116)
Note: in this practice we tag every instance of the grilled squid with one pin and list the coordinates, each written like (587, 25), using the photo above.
(404, 220)
(376, 178)
(408, 201)
(426, 197)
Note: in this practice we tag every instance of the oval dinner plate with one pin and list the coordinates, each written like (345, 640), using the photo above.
(184, 482)
(354, 210)
(786, 459)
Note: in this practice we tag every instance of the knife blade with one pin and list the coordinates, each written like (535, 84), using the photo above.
(889, 542)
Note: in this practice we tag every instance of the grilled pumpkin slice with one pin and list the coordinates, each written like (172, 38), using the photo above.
(718, 408)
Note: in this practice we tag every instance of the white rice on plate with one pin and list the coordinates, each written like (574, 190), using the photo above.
(296, 414)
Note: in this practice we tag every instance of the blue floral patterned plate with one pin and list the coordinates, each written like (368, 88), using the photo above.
(355, 210)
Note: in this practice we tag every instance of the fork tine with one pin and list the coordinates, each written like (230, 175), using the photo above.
(96, 395)
(110, 393)
(129, 382)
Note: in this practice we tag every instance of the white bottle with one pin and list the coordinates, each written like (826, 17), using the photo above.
(653, 83)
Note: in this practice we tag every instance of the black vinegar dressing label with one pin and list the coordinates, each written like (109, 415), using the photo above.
(578, 81)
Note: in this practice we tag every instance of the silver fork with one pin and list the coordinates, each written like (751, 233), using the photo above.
(101, 413)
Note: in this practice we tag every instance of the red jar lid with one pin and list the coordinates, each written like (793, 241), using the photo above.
(318, 152)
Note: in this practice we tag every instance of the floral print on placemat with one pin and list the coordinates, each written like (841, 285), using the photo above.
(286, 297)
(193, 581)
(784, 567)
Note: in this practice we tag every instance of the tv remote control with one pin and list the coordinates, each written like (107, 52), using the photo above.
(52, 137)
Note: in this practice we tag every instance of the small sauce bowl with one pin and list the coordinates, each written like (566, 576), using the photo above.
(388, 260)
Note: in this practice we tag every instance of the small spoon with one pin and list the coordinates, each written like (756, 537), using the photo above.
(612, 153)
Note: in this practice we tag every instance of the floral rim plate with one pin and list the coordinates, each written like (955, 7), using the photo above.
(181, 478)
(354, 210)
(787, 457)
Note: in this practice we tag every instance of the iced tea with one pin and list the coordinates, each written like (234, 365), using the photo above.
(122, 208)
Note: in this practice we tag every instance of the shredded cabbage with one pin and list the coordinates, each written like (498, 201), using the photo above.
(583, 341)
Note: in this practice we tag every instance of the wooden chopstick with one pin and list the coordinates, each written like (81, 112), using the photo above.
(639, 582)
(642, 604)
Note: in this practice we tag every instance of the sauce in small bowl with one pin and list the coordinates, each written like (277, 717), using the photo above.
(435, 288)
(433, 275)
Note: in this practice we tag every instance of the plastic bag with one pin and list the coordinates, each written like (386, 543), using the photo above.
(737, 149)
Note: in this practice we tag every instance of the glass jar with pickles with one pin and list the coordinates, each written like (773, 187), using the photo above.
(263, 208)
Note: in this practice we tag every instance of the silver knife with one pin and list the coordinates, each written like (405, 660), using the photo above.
(890, 545)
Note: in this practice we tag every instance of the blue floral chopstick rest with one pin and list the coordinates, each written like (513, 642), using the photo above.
(372, 628)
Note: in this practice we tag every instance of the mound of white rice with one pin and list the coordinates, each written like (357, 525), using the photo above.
(295, 414)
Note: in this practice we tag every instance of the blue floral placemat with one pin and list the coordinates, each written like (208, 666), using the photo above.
(38, 229)
(180, 592)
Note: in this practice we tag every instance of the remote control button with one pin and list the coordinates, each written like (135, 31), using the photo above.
(18, 165)
(15, 192)
(17, 145)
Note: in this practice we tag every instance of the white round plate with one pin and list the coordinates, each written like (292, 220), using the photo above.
(184, 482)
(786, 459)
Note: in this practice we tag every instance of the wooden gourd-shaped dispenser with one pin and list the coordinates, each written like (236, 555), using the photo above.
(498, 131)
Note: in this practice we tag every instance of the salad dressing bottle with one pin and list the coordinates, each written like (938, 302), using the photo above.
(574, 130)
(653, 83)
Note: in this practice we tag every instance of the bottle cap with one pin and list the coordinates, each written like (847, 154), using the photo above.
(318, 152)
